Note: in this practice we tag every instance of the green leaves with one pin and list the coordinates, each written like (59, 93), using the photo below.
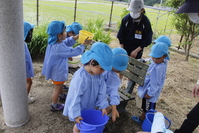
(39, 41)
(37, 46)
(96, 27)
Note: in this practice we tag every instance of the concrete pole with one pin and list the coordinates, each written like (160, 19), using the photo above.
(12, 64)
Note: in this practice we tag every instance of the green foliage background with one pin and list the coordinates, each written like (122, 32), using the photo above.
(39, 41)
(93, 15)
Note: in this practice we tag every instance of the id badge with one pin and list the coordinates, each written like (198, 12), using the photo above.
(138, 36)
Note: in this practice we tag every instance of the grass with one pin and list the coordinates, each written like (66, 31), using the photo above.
(57, 10)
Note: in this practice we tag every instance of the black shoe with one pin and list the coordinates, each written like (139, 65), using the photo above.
(62, 99)
(65, 88)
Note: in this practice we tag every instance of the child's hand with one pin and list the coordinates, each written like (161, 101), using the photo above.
(87, 41)
(70, 59)
(115, 114)
(104, 112)
(147, 96)
(195, 91)
(78, 119)
(76, 37)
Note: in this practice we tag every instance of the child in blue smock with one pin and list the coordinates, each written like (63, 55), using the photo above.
(164, 39)
(28, 30)
(88, 88)
(73, 29)
(56, 60)
(154, 79)
(120, 62)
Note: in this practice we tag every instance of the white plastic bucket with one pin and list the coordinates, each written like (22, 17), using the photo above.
(76, 62)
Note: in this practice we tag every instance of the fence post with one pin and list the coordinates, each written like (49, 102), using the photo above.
(111, 13)
(75, 10)
(37, 12)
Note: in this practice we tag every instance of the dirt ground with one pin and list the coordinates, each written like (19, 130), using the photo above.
(175, 101)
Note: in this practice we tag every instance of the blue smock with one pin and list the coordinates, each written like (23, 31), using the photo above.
(154, 81)
(112, 84)
(56, 59)
(28, 59)
(86, 91)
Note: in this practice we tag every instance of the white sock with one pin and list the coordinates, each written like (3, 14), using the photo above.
(54, 104)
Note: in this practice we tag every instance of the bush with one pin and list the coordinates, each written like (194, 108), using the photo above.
(37, 46)
(124, 13)
(96, 27)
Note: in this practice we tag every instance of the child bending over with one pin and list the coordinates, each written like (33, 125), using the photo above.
(87, 88)
(120, 62)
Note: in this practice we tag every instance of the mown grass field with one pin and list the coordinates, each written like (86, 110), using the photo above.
(87, 9)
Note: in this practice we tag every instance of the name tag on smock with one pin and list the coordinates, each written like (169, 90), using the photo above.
(138, 36)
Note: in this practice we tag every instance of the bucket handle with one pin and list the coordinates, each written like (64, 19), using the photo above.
(81, 129)
(151, 111)
(168, 121)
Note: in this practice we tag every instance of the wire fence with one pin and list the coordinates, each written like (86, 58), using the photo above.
(80, 11)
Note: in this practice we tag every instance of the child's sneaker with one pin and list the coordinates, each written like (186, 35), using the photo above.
(30, 99)
(59, 107)
(137, 119)
(62, 97)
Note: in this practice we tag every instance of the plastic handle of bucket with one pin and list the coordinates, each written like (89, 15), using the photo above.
(81, 129)
(151, 111)
(73, 62)
(147, 118)
(167, 126)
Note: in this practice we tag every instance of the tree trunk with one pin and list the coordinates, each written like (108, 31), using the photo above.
(181, 38)
(187, 55)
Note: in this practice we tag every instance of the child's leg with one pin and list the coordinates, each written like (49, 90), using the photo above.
(139, 119)
(28, 84)
(62, 95)
(57, 91)
(142, 117)
(75, 129)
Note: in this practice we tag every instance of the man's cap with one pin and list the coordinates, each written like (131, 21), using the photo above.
(136, 5)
